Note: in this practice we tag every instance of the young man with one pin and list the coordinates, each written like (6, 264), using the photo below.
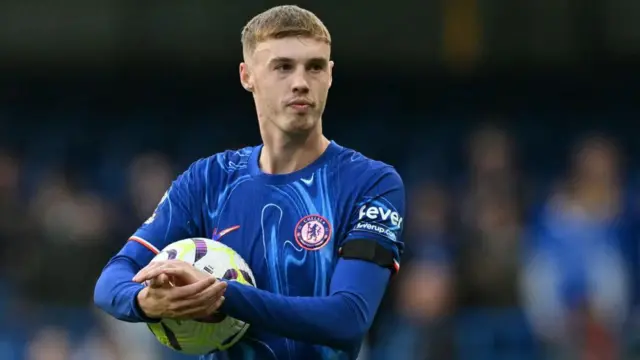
(318, 223)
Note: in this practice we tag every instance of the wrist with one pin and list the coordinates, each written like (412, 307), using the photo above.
(142, 304)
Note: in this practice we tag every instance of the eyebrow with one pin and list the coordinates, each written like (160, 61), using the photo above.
(316, 60)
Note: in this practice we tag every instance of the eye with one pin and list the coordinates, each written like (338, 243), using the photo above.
(316, 67)
(283, 67)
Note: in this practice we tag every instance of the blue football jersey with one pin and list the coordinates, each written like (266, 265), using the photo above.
(289, 228)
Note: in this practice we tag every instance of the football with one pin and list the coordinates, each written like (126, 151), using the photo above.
(218, 332)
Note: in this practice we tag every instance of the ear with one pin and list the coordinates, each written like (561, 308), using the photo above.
(245, 77)
(330, 73)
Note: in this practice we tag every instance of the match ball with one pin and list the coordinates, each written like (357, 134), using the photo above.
(218, 332)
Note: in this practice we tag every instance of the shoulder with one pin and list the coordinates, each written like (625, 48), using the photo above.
(363, 173)
(216, 171)
(225, 162)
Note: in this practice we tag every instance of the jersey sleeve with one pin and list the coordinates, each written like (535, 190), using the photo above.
(379, 214)
(178, 216)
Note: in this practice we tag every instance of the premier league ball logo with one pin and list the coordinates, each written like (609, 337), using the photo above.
(313, 232)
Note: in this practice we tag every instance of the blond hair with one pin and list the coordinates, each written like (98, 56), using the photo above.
(280, 22)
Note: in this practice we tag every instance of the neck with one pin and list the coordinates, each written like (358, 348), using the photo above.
(284, 154)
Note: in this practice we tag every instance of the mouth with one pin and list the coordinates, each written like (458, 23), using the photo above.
(300, 105)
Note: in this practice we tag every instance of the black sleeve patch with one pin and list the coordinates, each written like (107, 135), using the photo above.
(368, 250)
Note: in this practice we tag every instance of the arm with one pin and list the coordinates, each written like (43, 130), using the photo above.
(338, 320)
(174, 219)
(115, 293)
(342, 318)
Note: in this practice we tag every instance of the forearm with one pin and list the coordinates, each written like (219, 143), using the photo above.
(338, 320)
(115, 292)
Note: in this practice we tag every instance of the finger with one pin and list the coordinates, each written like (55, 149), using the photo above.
(161, 280)
(217, 305)
(137, 277)
(199, 291)
(160, 263)
(187, 291)
(210, 294)
(142, 273)
(200, 311)
(150, 273)
(203, 300)
(187, 275)
(163, 266)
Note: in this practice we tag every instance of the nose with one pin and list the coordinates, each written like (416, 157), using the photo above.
(299, 84)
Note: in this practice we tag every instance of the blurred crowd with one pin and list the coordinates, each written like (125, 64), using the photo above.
(504, 268)
(53, 247)
(521, 241)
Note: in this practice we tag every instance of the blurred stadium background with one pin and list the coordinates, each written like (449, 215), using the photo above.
(514, 124)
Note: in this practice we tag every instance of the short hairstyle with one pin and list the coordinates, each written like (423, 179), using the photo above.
(281, 22)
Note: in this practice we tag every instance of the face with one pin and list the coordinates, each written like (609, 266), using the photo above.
(290, 79)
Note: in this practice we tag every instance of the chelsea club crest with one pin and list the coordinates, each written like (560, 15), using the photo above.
(312, 232)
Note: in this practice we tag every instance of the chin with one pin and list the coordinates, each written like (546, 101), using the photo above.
(300, 124)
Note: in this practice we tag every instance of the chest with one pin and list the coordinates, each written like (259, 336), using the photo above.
(288, 234)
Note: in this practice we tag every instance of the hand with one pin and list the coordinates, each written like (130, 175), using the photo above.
(177, 272)
(197, 296)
